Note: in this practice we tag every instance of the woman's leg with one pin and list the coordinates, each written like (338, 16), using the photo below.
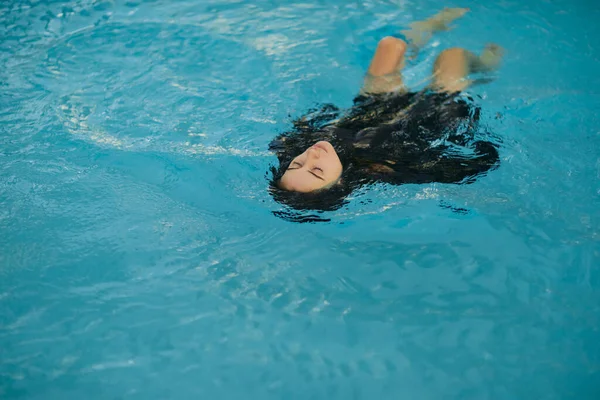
(384, 72)
(453, 66)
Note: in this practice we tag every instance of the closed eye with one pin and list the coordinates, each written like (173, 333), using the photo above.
(315, 175)
(294, 165)
(315, 169)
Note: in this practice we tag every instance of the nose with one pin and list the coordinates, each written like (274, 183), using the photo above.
(314, 153)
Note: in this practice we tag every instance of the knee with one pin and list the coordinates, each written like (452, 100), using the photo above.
(453, 56)
(388, 57)
(390, 43)
(453, 52)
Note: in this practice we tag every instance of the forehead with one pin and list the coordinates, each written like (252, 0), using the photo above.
(299, 180)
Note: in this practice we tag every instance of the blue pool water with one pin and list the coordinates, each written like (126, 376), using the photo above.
(140, 259)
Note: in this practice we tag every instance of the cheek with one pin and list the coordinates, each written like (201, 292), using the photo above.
(337, 164)
(334, 167)
(286, 182)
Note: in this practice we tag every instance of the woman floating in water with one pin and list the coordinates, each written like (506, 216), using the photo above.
(390, 134)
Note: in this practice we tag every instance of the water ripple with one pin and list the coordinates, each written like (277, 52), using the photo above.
(139, 256)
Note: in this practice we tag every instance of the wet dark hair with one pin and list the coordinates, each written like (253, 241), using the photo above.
(306, 132)
(363, 141)
(312, 128)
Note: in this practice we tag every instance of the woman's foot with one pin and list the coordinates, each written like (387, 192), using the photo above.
(440, 21)
(421, 31)
(489, 59)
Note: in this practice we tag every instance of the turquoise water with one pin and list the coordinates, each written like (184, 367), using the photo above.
(139, 256)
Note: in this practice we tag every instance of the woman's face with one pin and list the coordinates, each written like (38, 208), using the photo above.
(318, 167)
